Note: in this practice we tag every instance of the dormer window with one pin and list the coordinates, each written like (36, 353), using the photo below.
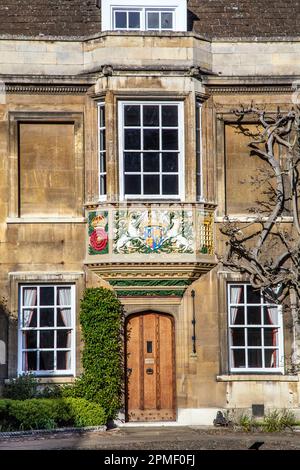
(139, 15)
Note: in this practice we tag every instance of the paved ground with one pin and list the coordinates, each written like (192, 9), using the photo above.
(164, 438)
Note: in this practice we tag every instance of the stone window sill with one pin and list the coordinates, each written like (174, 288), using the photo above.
(257, 378)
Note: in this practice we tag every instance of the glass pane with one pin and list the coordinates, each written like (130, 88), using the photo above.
(29, 361)
(29, 340)
(102, 143)
(254, 337)
(29, 297)
(151, 184)
(237, 315)
(120, 19)
(63, 360)
(132, 115)
(238, 357)
(134, 20)
(236, 294)
(153, 20)
(46, 360)
(271, 336)
(101, 116)
(254, 315)
(132, 139)
(254, 358)
(169, 116)
(47, 317)
(238, 336)
(29, 318)
(271, 358)
(102, 163)
(166, 20)
(253, 295)
(151, 139)
(64, 317)
(151, 115)
(169, 139)
(102, 185)
(151, 162)
(271, 315)
(47, 296)
(132, 184)
(46, 339)
(170, 185)
(63, 339)
(170, 162)
(132, 161)
(149, 347)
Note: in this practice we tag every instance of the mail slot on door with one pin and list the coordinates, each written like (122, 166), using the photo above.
(149, 371)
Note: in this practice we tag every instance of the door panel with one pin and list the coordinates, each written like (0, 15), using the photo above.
(150, 368)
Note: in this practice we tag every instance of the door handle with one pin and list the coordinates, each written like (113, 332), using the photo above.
(149, 371)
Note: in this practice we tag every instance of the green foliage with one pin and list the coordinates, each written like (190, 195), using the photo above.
(247, 423)
(21, 388)
(276, 421)
(101, 318)
(49, 414)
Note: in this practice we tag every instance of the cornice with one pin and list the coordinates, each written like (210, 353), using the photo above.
(46, 89)
(221, 90)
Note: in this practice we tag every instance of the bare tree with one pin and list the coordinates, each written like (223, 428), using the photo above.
(267, 248)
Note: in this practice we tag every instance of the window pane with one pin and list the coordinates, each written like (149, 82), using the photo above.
(46, 339)
(132, 184)
(271, 315)
(29, 297)
(254, 315)
(170, 162)
(238, 357)
(271, 357)
(271, 336)
(254, 358)
(102, 185)
(101, 116)
(238, 336)
(132, 115)
(253, 295)
(169, 116)
(120, 19)
(134, 20)
(29, 340)
(102, 143)
(170, 184)
(64, 317)
(166, 20)
(47, 317)
(132, 139)
(151, 184)
(29, 318)
(29, 361)
(237, 294)
(151, 139)
(63, 360)
(102, 163)
(237, 315)
(151, 115)
(47, 296)
(63, 339)
(46, 360)
(151, 162)
(132, 161)
(169, 139)
(254, 337)
(153, 20)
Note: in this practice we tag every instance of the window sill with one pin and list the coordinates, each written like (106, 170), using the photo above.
(45, 220)
(51, 380)
(257, 378)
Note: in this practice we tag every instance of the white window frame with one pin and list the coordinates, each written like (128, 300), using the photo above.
(199, 154)
(127, 10)
(101, 153)
(47, 373)
(279, 325)
(181, 157)
(178, 7)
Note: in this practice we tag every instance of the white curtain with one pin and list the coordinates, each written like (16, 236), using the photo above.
(64, 299)
(29, 301)
(273, 319)
(235, 297)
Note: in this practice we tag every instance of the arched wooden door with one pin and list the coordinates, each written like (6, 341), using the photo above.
(150, 357)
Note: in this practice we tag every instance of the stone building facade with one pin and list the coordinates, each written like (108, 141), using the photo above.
(118, 162)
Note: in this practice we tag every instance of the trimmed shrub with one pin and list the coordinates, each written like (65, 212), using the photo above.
(23, 387)
(85, 413)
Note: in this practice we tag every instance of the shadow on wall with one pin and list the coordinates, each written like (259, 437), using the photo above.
(191, 19)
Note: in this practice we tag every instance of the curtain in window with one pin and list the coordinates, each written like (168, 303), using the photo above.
(30, 296)
(235, 297)
(64, 298)
(272, 317)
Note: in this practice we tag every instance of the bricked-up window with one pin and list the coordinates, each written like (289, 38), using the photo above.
(46, 329)
(151, 150)
(255, 331)
(102, 150)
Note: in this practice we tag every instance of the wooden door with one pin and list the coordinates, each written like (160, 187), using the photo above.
(150, 365)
